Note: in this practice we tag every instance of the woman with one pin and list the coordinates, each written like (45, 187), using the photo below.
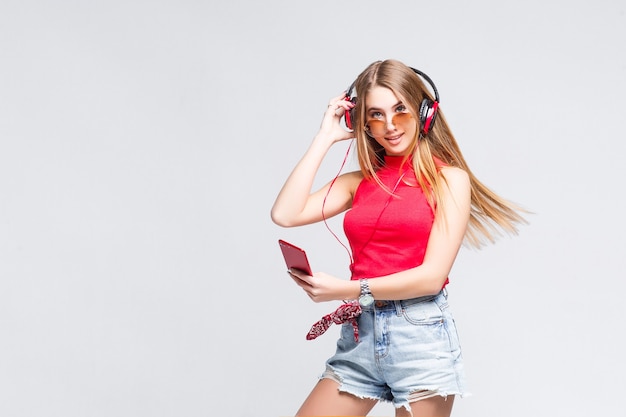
(409, 209)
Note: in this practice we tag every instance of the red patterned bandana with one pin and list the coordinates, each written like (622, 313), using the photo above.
(345, 313)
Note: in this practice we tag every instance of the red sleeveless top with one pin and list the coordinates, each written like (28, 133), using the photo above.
(388, 233)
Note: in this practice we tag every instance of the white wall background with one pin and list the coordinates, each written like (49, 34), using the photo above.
(142, 144)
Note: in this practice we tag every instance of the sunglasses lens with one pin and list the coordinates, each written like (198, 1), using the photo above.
(376, 127)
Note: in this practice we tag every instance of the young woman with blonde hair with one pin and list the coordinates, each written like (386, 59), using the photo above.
(408, 210)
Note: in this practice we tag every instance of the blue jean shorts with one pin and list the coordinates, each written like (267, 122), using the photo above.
(407, 350)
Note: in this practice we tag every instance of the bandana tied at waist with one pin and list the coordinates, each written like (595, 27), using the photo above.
(346, 313)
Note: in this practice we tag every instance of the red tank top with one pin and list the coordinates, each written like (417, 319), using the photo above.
(388, 233)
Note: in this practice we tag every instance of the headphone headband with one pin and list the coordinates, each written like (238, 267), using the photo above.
(427, 78)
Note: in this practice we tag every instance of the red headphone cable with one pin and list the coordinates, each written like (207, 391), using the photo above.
(345, 158)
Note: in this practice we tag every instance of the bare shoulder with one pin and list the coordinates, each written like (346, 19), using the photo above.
(458, 191)
(455, 176)
(457, 179)
(351, 180)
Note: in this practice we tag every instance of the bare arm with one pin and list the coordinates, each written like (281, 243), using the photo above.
(444, 243)
(296, 205)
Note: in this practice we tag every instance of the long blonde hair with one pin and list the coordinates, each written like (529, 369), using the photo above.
(490, 214)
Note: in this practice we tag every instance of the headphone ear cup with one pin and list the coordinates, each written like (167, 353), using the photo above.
(428, 113)
(349, 114)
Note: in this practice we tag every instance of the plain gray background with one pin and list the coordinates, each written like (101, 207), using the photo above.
(142, 144)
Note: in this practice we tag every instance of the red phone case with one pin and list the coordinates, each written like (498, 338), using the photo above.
(295, 257)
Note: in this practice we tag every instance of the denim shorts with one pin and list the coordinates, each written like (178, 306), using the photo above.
(407, 350)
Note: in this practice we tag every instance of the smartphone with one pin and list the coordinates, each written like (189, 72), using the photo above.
(295, 257)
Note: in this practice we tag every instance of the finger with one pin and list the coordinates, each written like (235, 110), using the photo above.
(339, 108)
(341, 96)
(333, 108)
(300, 274)
(340, 102)
(299, 278)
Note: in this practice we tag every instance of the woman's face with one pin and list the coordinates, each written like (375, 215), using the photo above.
(389, 121)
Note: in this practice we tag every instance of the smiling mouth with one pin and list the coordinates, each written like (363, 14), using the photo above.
(394, 138)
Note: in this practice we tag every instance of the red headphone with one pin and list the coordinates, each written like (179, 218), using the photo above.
(427, 112)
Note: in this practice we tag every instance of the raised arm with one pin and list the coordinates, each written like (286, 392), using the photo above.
(296, 204)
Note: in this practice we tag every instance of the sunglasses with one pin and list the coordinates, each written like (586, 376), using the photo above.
(378, 127)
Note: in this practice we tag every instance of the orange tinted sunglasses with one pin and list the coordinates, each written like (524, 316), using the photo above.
(378, 127)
